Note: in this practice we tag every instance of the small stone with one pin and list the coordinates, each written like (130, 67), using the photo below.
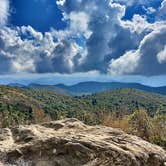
(54, 151)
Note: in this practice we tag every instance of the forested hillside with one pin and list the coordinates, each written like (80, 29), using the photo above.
(22, 105)
(118, 108)
(127, 100)
(18, 108)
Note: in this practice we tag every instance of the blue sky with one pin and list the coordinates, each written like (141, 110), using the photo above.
(41, 15)
(117, 39)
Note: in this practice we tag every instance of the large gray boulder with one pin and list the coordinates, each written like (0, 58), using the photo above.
(69, 142)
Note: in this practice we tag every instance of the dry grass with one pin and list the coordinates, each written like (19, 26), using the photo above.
(140, 124)
(111, 120)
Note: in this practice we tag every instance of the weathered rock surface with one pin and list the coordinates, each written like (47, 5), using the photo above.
(69, 142)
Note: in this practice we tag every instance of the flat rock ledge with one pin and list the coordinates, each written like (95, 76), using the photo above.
(69, 142)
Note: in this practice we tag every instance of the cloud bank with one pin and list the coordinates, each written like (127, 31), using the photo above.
(97, 38)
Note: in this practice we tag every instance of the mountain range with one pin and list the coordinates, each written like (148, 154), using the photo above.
(96, 87)
(91, 87)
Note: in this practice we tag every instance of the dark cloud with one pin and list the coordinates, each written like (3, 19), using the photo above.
(5, 64)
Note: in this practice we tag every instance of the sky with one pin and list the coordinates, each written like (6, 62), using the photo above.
(68, 41)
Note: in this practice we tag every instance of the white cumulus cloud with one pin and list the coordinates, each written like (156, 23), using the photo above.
(4, 11)
(96, 38)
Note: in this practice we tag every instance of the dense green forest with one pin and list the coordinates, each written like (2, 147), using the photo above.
(22, 104)
(118, 108)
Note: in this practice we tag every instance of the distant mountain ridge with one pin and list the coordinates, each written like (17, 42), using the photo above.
(16, 85)
(97, 87)
(49, 88)
(91, 87)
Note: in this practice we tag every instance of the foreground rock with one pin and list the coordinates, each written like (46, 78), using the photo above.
(71, 143)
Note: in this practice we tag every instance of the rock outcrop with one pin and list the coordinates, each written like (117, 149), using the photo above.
(69, 142)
